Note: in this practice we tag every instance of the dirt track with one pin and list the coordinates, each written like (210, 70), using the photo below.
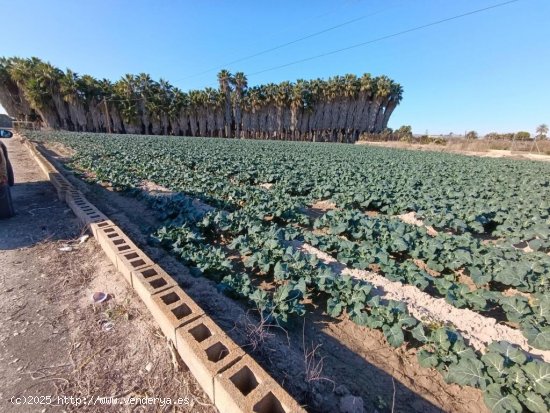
(54, 341)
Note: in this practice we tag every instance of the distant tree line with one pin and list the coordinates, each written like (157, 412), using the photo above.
(541, 133)
(339, 109)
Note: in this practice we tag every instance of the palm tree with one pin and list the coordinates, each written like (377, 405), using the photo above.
(11, 95)
(126, 98)
(349, 107)
(35, 82)
(395, 97)
(176, 112)
(240, 83)
(383, 92)
(281, 99)
(195, 103)
(340, 108)
(367, 89)
(225, 81)
(296, 106)
(542, 131)
(70, 88)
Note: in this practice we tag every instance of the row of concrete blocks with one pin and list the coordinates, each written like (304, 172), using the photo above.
(231, 378)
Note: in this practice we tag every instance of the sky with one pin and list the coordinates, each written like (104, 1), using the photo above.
(486, 72)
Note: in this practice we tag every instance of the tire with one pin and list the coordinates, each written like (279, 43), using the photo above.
(11, 178)
(6, 204)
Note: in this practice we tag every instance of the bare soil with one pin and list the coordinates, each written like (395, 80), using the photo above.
(478, 329)
(54, 340)
(352, 359)
(478, 148)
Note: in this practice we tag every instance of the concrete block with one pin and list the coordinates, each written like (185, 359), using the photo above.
(87, 213)
(150, 280)
(95, 227)
(130, 261)
(172, 308)
(247, 387)
(207, 351)
(113, 242)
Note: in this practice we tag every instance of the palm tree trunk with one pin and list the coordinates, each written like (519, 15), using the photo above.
(380, 115)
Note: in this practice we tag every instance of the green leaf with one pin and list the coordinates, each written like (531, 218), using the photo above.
(510, 276)
(538, 337)
(508, 350)
(538, 374)
(499, 402)
(334, 307)
(541, 306)
(478, 277)
(441, 339)
(468, 372)
(516, 377)
(516, 308)
(427, 359)
(534, 402)
(400, 245)
(535, 244)
(394, 335)
(495, 364)
(419, 334)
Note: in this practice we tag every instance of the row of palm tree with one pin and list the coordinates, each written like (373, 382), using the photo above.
(339, 109)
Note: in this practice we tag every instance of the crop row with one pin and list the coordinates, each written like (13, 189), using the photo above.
(360, 241)
(511, 381)
(504, 198)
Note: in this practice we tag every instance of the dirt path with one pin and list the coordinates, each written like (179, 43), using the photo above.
(54, 341)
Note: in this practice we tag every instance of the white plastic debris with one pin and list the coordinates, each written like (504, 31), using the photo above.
(99, 297)
(107, 326)
(83, 239)
(66, 249)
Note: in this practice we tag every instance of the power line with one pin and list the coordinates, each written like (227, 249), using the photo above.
(362, 43)
(265, 51)
(378, 39)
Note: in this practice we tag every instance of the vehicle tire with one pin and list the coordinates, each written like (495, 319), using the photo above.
(6, 204)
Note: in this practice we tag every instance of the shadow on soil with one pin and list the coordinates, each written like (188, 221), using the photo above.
(39, 216)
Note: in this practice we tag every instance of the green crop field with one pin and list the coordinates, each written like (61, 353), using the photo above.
(487, 252)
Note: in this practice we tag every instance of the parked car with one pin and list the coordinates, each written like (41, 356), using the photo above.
(4, 133)
(6, 180)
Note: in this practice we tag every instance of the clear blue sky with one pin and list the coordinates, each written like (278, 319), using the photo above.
(487, 72)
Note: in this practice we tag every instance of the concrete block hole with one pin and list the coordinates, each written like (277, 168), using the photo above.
(200, 332)
(217, 352)
(150, 272)
(137, 263)
(269, 404)
(170, 298)
(181, 311)
(244, 380)
(158, 283)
